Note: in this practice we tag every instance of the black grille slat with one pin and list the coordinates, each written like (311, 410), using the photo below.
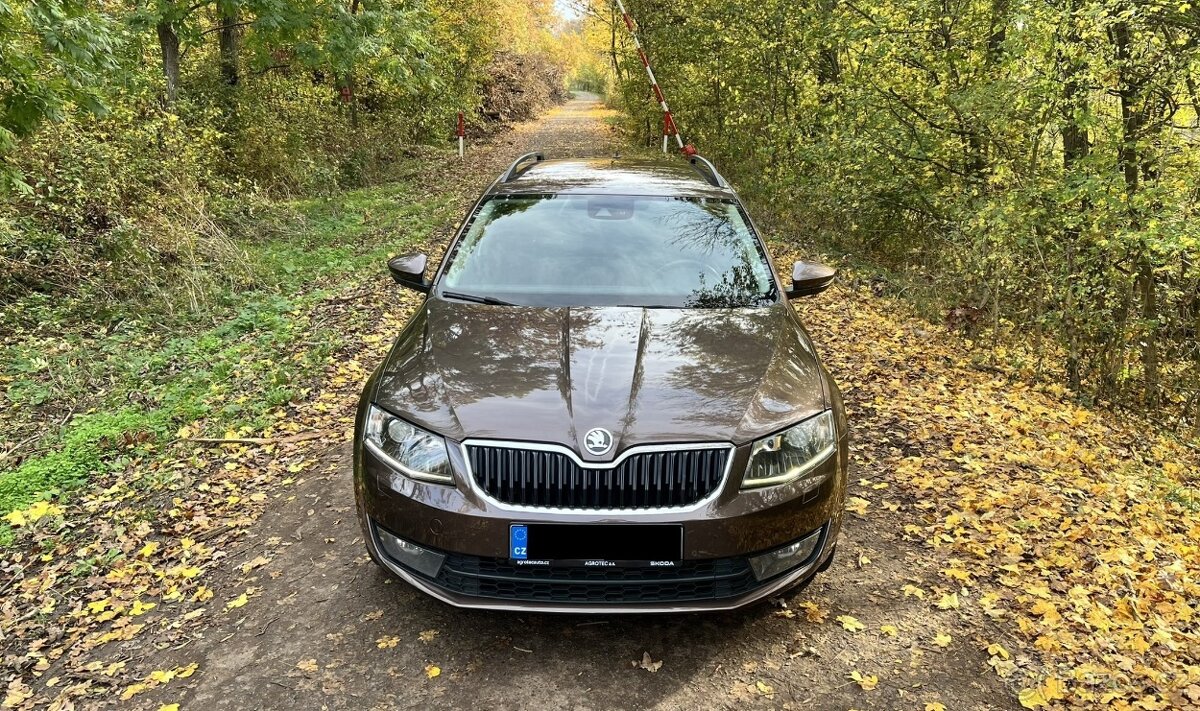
(643, 480)
(689, 581)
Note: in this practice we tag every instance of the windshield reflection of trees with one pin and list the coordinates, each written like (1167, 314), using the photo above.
(739, 286)
(708, 228)
(618, 241)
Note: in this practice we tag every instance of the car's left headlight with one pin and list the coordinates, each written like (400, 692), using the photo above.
(793, 454)
(410, 449)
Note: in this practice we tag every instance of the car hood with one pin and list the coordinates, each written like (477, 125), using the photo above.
(647, 375)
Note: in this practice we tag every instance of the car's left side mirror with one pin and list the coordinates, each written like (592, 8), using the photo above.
(409, 270)
(810, 279)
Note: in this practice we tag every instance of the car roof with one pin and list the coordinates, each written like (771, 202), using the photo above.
(611, 176)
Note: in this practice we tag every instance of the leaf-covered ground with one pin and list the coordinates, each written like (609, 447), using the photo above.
(1005, 547)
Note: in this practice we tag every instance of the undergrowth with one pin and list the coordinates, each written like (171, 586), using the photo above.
(83, 397)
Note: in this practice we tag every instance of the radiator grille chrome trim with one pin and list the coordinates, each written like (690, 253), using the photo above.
(480, 491)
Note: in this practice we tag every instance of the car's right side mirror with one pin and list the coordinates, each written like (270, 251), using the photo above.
(810, 279)
(409, 270)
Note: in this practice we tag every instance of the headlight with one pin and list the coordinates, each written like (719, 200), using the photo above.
(792, 454)
(412, 450)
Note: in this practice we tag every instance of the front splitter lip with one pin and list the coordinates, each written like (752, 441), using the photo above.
(483, 603)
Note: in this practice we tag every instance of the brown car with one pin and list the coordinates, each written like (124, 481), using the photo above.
(606, 403)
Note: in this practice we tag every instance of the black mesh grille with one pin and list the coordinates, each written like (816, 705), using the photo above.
(646, 480)
(688, 581)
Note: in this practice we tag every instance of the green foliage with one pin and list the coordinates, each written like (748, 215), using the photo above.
(146, 203)
(230, 375)
(1033, 166)
(79, 455)
(52, 54)
(196, 176)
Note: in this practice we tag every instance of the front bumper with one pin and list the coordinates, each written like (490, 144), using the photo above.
(489, 583)
(719, 538)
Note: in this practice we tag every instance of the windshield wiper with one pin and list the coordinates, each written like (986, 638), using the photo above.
(491, 300)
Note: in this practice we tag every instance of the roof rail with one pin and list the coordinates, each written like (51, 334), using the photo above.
(512, 169)
(706, 169)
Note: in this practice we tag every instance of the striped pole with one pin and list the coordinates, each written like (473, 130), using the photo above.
(669, 128)
(460, 130)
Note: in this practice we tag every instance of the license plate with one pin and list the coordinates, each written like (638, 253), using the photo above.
(595, 545)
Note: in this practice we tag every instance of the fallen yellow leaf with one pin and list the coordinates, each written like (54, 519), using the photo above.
(1032, 698)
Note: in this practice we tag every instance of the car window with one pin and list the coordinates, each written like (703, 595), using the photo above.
(602, 250)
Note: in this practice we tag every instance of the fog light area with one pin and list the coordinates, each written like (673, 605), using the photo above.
(768, 565)
(410, 555)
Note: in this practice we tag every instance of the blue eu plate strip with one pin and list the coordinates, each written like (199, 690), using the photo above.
(518, 542)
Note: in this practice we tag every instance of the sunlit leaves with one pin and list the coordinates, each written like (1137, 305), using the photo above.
(53, 53)
(928, 139)
(1078, 554)
(867, 682)
(36, 511)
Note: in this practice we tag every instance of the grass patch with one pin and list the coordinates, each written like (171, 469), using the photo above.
(234, 364)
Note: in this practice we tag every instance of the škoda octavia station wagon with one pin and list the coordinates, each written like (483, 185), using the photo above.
(606, 403)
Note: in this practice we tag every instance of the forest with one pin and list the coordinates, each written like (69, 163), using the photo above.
(136, 138)
(1028, 170)
(198, 199)
(165, 163)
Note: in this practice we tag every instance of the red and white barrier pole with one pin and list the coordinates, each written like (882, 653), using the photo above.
(461, 132)
(669, 128)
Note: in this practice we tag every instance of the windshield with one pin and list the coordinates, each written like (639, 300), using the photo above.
(605, 250)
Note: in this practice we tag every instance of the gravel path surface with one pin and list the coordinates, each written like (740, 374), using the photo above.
(327, 629)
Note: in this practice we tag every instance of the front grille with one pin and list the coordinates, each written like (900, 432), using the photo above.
(690, 581)
(644, 480)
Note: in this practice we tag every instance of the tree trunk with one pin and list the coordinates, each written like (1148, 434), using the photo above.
(350, 83)
(1076, 147)
(829, 66)
(612, 46)
(978, 158)
(168, 43)
(1149, 294)
(1131, 120)
(1129, 160)
(229, 45)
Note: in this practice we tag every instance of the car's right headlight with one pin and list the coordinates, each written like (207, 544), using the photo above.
(793, 454)
(408, 448)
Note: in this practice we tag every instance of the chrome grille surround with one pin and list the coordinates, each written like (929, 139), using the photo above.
(534, 476)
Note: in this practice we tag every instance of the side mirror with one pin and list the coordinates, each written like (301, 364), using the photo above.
(810, 279)
(409, 270)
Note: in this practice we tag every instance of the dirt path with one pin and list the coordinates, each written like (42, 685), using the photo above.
(324, 628)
